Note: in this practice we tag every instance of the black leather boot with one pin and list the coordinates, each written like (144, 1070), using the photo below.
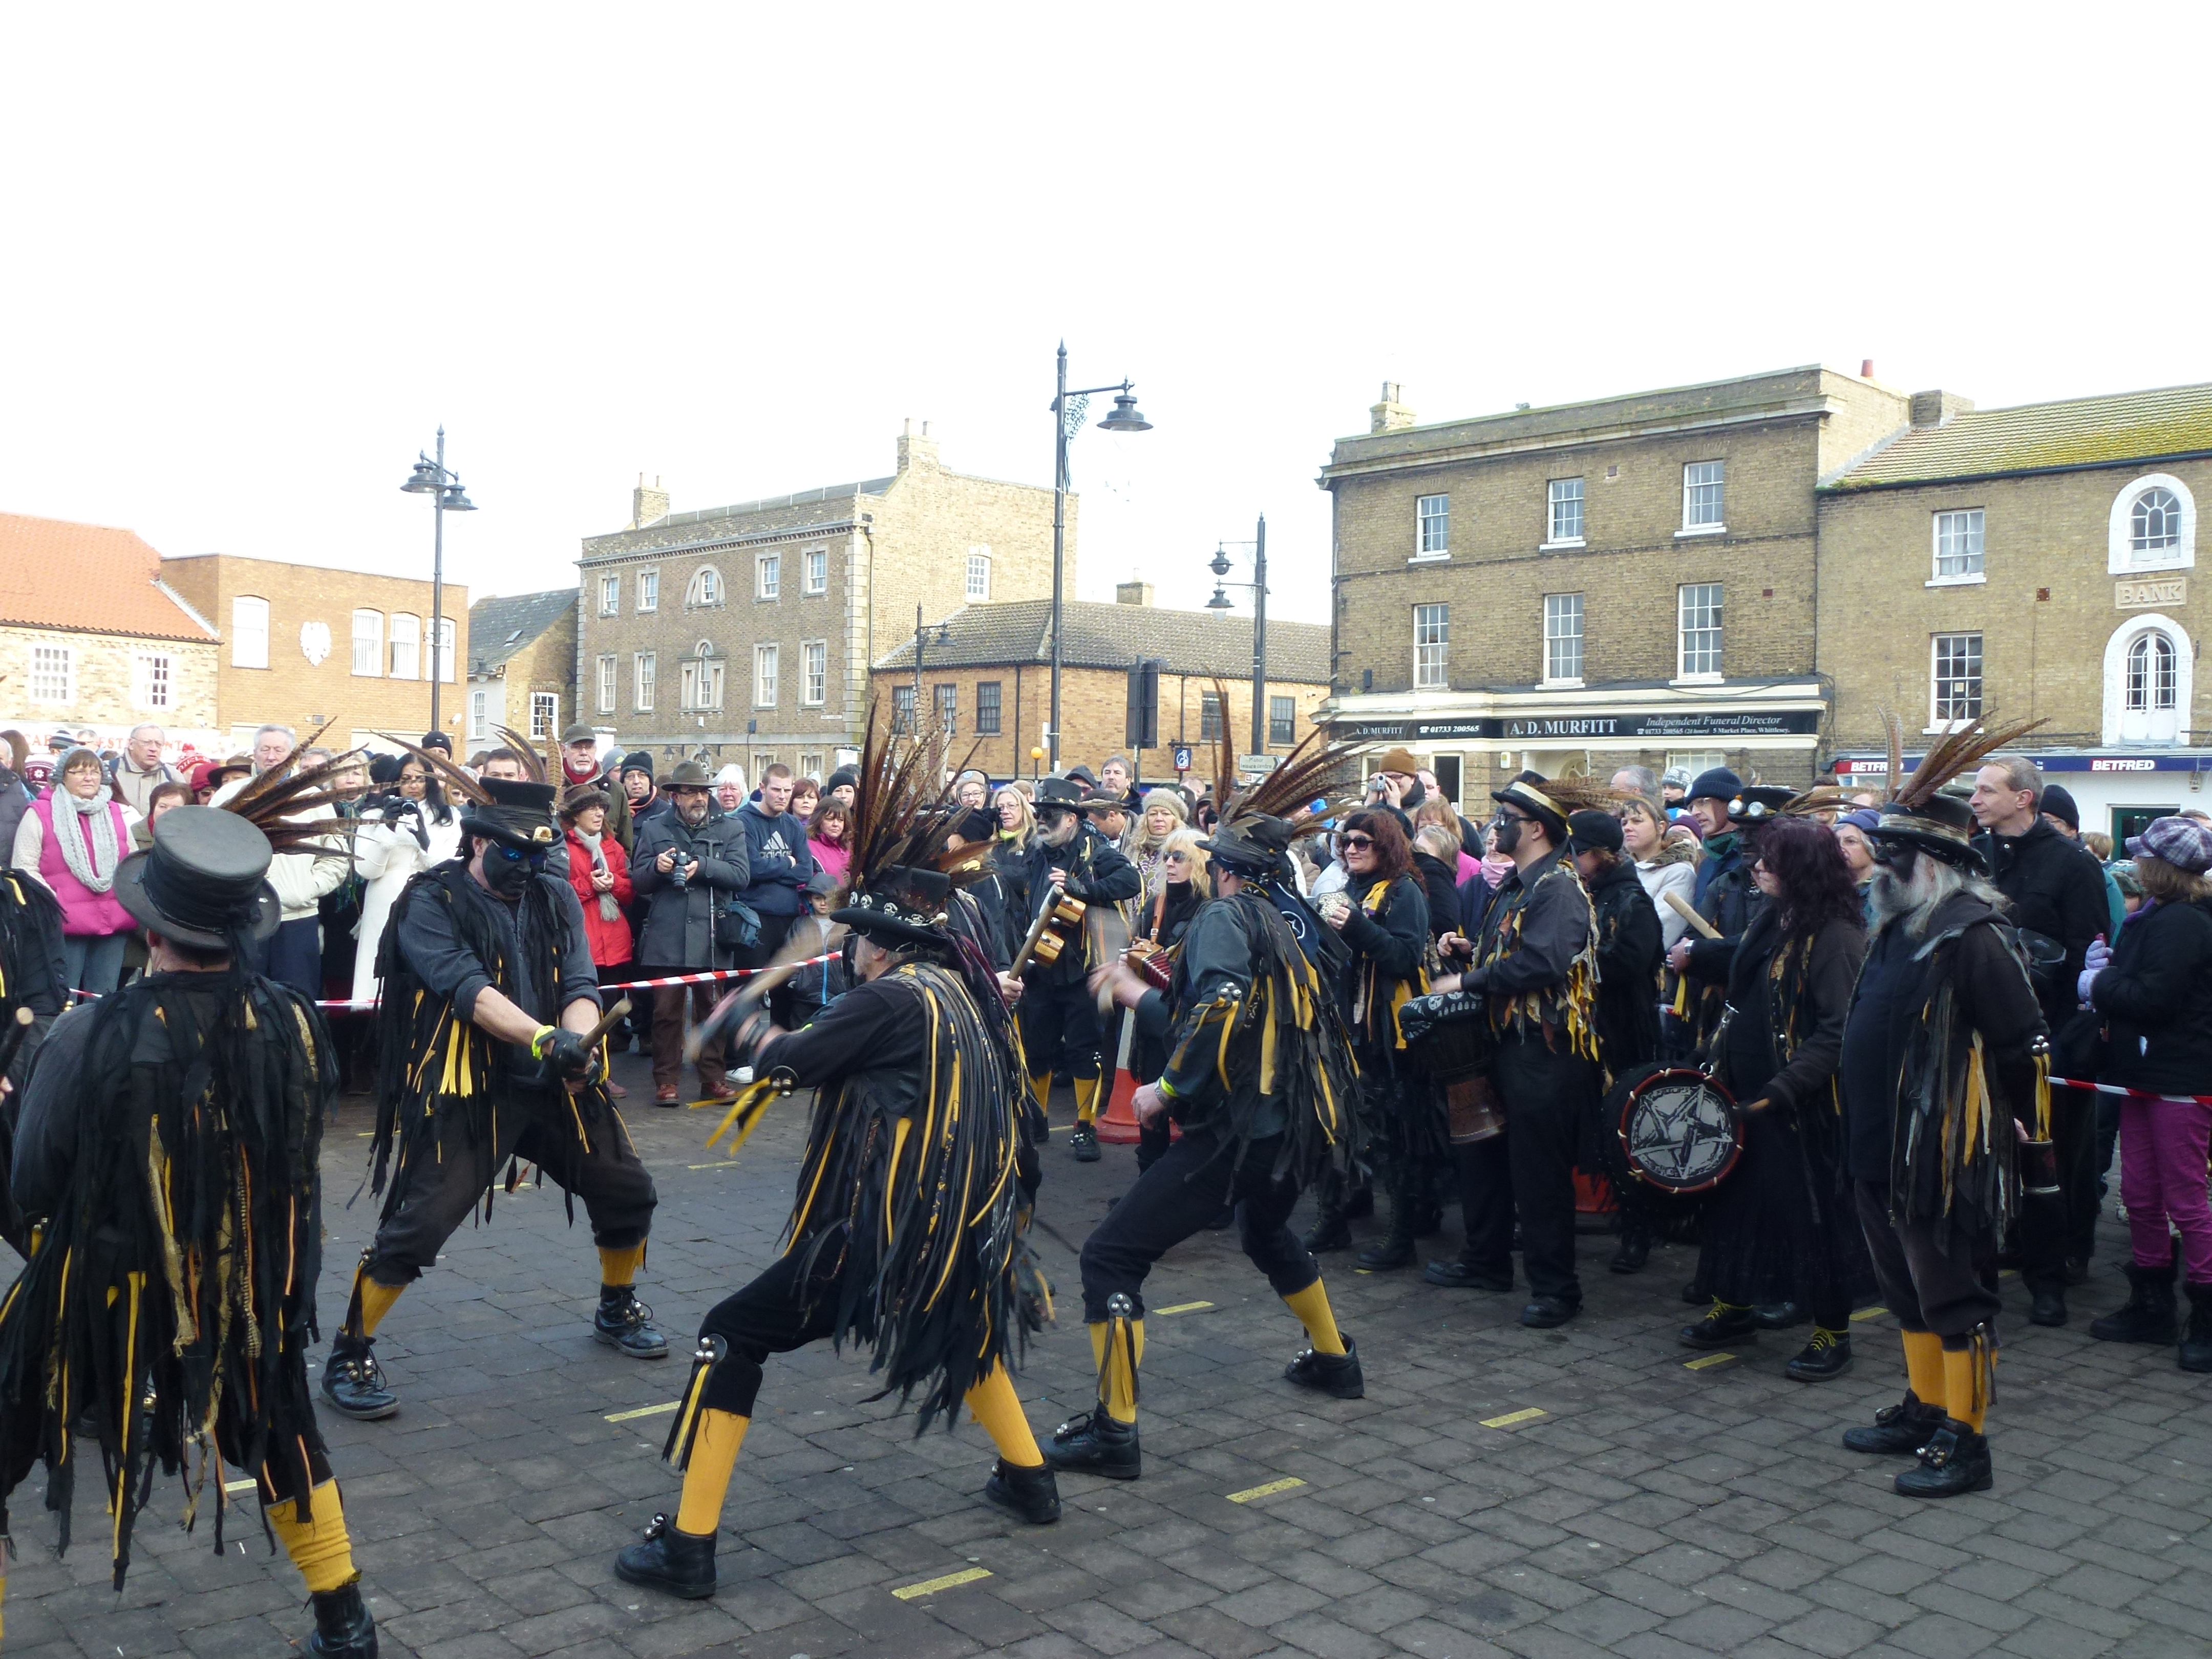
(1827, 1356)
(1083, 1144)
(1635, 1250)
(670, 1560)
(1904, 1427)
(1335, 1374)
(1461, 1275)
(624, 1323)
(353, 1384)
(1329, 1230)
(343, 1629)
(1094, 1444)
(1721, 1326)
(2046, 1302)
(1395, 1248)
(1031, 1494)
(2197, 1340)
(1955, 1461)
(2148, 1314)
(1779, 1315)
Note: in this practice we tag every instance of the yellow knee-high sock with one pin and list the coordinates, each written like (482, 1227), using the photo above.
(1041, 1086)
(618, 1267)
(1086, 1099)
(706, 1477)
(1923, 1367)
(373, 1300)
(994, 1403)
(1969, 1376)
(1117, 1391)
(1311, 1306)
(319, 1547)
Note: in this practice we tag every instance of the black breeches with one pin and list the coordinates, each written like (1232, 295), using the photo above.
(1059, 1028)
(1931, 1280)
(782, 1310)
(537, 1126)
(1530, 1168)
(1175, 1198)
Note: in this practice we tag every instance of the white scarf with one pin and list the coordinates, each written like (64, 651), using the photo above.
(94, 867)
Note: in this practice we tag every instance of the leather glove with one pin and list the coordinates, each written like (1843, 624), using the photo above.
(565, 1051)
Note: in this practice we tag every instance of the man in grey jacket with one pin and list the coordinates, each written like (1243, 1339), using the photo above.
(688, 864)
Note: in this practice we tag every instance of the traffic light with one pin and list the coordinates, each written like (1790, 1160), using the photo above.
(1142, 727)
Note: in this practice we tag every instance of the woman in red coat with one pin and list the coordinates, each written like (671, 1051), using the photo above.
(598, 870)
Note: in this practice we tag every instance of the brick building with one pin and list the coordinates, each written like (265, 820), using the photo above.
(304, 644)
(746, 633)
(2033, 561)
(1590, 585)
(987, 676)
(92, 637)
(522, 666)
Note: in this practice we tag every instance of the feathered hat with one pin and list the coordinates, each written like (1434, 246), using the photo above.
(1257, 824)
(897, 890)
(1921, 813)
(1552, 801)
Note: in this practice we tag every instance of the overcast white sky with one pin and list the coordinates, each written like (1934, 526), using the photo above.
(254, 256)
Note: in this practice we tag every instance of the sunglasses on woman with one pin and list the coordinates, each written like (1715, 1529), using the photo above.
(1354, 842)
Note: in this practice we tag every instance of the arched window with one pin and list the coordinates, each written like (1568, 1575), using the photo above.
(701, 677)
(706, 588)
(2147, 673)
(2153, 526)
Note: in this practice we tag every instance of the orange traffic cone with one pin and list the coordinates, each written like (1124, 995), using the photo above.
(1117, 1124)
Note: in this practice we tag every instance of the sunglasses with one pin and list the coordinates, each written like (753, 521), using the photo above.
(1353, 843)
(516, 855)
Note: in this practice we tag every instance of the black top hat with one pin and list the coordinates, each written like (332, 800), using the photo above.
(1525, 792)
(204, 879)
(1943, 825)
(1061, 794)
(1253, 845)
(1758, 803)
(904, 906)
(518, 814)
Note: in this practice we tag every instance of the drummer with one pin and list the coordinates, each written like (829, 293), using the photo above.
(1533, 963)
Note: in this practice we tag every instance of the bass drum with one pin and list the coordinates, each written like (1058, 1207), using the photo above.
(1668, 1136)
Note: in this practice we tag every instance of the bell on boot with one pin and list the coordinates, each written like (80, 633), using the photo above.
(1031, 1494)
(670, 1560)
(1955, 1461)
(343, 1629)
(352, 1382)
(1094, 1443)
(2197, 1340)
(623, 1322)
(1721, 1326)
(1334, 1374)
(2148, 1314)
(1903, 1428)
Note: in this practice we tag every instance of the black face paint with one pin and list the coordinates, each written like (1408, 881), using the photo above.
(506, 872)
(1508, 830)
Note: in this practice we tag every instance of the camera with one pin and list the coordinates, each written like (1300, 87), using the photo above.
(680, 872)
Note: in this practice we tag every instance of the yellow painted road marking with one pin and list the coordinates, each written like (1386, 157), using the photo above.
(931, 1586)
(719, 1163)
(1528, 1415)
(1710, 1360)
(1869, 1313)
(1180, 1307)
(1267, 1490)
(643, 1411)
(247, 1484)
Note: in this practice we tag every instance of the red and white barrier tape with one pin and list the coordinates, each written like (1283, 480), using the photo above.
(2131, 1094)
(368, 1002)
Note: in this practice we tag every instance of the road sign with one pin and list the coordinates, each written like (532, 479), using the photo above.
(1182, 758)
(1258, 763)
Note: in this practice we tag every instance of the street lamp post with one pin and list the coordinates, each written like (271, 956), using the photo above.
(1220, 601)
(1068, 409)
(444, 487)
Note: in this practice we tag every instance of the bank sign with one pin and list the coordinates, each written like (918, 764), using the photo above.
(1692, 723)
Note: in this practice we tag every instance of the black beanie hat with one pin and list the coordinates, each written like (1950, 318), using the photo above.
(2059, 803)
(638, 760)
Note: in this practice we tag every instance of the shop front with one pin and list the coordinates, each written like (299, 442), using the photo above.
(2117, 792)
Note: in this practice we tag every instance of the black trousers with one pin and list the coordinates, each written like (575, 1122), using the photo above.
(535, 1127)
(1947, 1286)
(1530, 1170)
(1060, 1027)
(1175, 1198)
(2054, 1230)
(782, 1310)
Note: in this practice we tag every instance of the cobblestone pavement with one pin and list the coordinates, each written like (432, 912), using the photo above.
(1498, 1491)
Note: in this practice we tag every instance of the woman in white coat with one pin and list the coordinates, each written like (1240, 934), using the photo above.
(394, 842)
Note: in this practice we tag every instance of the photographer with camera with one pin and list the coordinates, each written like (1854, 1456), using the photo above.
(690, 867)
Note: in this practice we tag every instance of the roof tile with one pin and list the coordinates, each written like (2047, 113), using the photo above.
(1101, 635)
(54, 574)
(500, 627)
(2127, 426)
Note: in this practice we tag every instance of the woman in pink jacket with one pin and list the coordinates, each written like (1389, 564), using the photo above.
(72, 837)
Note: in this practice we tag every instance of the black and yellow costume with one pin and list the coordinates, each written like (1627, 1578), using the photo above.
(454, 1104)
(33, 980)
(167, 1158)
(906, 1232)
(1402, 1129)
(1261, 1079)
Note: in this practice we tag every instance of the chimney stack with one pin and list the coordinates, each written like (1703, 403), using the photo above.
(1937, 407)
(1391, 415)
(647, 505)
(917, 450)
(1137, 593)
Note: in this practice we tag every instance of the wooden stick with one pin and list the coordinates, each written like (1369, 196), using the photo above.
(1683, 908)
